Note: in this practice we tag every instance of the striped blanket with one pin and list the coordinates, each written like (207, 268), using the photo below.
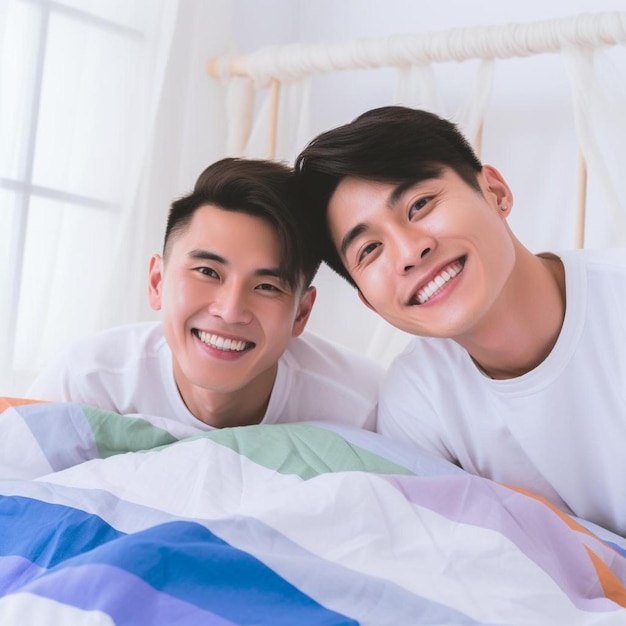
(111, 519)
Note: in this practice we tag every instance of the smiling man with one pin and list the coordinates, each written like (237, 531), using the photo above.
(518, 368)
(233, 286)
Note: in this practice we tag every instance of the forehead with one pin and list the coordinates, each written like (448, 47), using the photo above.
(351, 187)
(240, 234)
(354, 200)
(357, 200)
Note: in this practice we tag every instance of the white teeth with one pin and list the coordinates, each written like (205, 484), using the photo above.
(228, 345)
(424, 294)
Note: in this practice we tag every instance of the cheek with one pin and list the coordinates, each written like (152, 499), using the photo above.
(277, 321)
(376, 284)
(180, 295)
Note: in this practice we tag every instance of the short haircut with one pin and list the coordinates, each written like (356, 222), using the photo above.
(390, 144)
(263, 189)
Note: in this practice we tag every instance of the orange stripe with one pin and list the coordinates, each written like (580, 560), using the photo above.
(573, 524)
(611, 585)
(5, 403)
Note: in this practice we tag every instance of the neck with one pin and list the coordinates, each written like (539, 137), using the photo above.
(524, 326)
(244, 406)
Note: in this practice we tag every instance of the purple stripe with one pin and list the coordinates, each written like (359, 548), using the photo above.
(532, 526)
(15, 571)
(125, 597)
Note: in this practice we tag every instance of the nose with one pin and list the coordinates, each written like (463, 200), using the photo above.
(408, 249)
(231, 304)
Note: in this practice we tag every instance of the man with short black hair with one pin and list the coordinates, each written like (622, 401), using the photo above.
(234, 289)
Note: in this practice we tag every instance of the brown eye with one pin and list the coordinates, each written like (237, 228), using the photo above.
(418, 206)
(208, 271)
(367, 250)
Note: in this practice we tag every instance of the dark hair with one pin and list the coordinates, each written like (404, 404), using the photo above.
(264, 189)
(391, 144)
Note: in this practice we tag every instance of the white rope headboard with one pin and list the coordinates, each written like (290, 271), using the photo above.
(273, 68)
(290, 62)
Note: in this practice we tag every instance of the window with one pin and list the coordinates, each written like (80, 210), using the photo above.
(79, 81)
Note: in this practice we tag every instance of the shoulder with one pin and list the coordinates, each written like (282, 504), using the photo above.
(595, 277)
(428, 355)
(313, 353)
(323, 381)
(427, 368)
(113, 347)
(603, 260)
(101, 368)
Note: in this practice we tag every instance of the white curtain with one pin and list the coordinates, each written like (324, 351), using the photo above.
(189, 133)
(293, 122)
(599, 100)
(102, 123)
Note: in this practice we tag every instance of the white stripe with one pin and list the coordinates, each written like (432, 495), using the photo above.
(25, 609)
(194, 478)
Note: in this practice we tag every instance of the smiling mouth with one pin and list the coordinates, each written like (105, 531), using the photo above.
(221, 343)
(435, 285)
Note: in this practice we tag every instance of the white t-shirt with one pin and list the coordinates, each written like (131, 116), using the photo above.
(128, 369)
(559, 430)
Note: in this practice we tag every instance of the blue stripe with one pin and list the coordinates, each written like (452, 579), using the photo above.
(186, 560)
(616, 547)
(47, 534)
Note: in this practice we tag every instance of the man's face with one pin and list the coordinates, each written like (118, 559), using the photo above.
(226, 314)
(431, 258)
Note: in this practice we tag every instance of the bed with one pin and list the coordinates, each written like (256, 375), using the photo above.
(113, 519)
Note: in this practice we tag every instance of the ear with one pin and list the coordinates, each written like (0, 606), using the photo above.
(304, 311)
(365, 301)
(155, 278)
(496, 188)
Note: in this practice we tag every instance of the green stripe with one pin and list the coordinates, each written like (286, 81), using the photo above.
(301, 449)
(116, 434)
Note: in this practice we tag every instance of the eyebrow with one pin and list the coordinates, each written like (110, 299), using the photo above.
(206, 255)
(351, 235)
(399, 191)
(356, 231)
